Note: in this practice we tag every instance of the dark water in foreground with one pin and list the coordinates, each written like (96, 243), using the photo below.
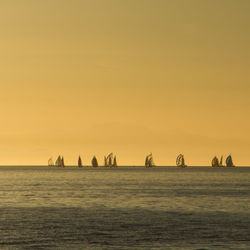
(124, 208)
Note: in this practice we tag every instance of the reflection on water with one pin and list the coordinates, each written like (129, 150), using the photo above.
(45, 207)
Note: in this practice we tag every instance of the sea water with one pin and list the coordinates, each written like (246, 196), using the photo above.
(124, 208)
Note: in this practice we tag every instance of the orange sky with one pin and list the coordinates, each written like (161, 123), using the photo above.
(133, 77)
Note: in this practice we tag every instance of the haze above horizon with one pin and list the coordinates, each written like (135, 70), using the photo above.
(131, 77)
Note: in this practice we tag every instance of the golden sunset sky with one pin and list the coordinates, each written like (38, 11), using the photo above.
(129, 76)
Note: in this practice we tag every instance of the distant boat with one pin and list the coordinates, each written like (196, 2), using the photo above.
(105, 161)
(221, 162)
(59, 161)
(180, 162)
(62, 162)
(215, 162)
(110, 160)
(79, 162)
(114, 162)
(146, 161)
(94, 162)
(229, 161)
(149, 162)
(50, 162)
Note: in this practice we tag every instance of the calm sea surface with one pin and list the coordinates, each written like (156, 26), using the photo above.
(124, 208)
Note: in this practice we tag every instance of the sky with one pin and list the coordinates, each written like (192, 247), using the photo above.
(89, 77)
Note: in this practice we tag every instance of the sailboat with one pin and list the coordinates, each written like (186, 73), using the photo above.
(229, 161)
(221, 161)
(59, 161)
(50, 162)
(105, 161)
(62, 162)
(146, 162)
(79, 162)
(108, 160)
(114, 162)
(94, 162)
(149, 162)
(215, 162)
(180, 162)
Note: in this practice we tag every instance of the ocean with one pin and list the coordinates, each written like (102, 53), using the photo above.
(124, 208)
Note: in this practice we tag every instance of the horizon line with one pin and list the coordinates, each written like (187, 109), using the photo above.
(102, 166)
